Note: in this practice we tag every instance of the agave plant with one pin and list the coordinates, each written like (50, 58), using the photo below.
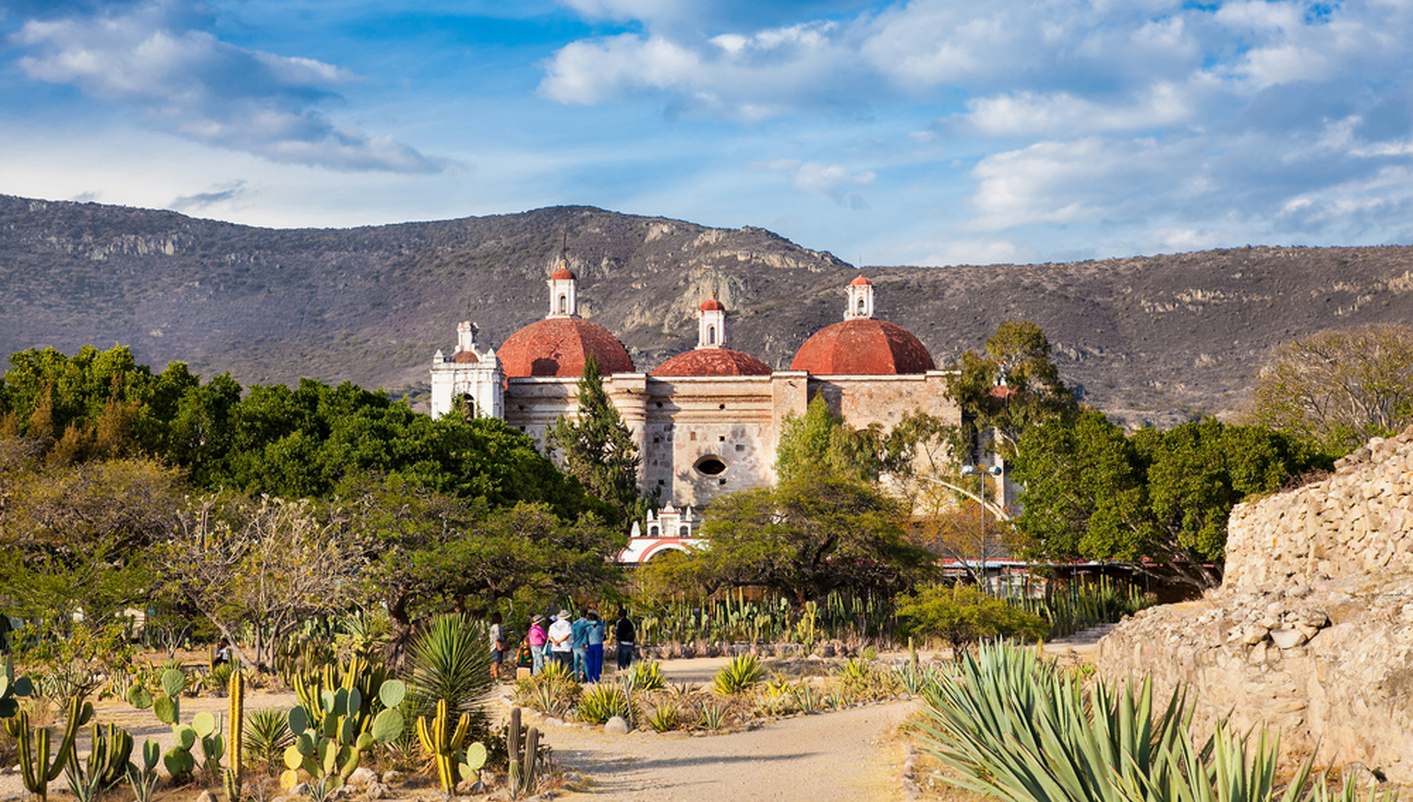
(1021, 729)
(739, 674)
(665, 717)
(604, 701)
(714, 715)
(646, 676)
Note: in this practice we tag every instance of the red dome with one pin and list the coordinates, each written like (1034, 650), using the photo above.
(464, 357)
(711, 305)
(556, 347)
(563, 274)
(862, 347)
(861, 282)
(713, 362)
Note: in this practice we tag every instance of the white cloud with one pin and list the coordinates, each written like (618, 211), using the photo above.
(832, 181)
(191, 83)
(1063, 113)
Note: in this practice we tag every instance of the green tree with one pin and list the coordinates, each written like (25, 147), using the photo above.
(74, 537)
(812, 534)
(963, 615)
(1012, 386)
(1338, 389)
(598, 449)
(1093, 493)
(258, 569)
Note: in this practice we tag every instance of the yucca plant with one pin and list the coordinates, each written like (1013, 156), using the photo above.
(810, 699)
(739, 674)
(267, 736)
(604, 701)
(450, 662)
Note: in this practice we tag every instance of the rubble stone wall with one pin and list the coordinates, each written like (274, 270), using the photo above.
(1311, 631)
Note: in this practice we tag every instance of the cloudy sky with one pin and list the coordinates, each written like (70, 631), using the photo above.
(925, 132)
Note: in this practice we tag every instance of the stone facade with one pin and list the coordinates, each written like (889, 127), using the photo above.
(706, 422)
(1311, 631)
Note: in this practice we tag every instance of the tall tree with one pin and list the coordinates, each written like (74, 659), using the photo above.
(1013, 385)
(1337, 389)
(598, 449)
(812, 534)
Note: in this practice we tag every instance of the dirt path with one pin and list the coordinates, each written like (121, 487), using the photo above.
(846, 755)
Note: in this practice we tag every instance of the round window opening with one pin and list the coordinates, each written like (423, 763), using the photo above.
(711, 466)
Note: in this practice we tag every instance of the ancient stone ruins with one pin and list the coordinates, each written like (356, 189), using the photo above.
(1312, 630)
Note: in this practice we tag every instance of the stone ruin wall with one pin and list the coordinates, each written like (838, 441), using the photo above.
(1311, 631)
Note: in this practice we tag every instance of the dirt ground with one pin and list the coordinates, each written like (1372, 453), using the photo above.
(854, 754)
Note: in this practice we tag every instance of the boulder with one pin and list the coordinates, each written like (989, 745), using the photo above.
(616, 725)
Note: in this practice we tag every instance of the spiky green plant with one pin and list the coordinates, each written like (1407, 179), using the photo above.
(1018, 728)
(713, 716)
(810, 699)
(450, 662)
(646, 676)
(267, 736)
(665, 717)
(739, 674)
(604, 701)
(143, 780)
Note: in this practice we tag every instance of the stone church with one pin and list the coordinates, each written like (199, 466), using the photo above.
(706, 422)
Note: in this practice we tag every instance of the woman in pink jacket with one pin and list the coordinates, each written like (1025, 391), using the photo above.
(537, 638)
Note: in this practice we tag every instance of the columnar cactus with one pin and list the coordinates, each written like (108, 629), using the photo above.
(523, 754)
(235, 718)
(444, 743)
(108, 759)
(36, 769)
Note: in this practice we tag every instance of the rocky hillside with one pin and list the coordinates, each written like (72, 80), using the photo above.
(1154, 339)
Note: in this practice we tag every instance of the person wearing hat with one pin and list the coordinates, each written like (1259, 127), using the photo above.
(537, 637)
(559, 634)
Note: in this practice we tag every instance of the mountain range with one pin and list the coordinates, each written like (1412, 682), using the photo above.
(1149, 340)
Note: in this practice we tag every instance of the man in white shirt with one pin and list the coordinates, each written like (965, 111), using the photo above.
(560, 633)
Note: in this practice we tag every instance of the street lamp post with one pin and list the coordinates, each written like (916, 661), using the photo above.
(994, 470)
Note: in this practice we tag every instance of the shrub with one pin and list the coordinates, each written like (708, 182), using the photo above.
(963, 615)
(450, 661)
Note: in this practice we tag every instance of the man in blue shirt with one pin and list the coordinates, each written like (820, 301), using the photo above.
(579, 642)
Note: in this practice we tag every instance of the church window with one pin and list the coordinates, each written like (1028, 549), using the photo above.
(652, 531)
(683, 531)
(721, 481)
(721, 406)
(711, 465)
(861, 306)
(694, 436)
(564, 304)
(721, 439)
(711, 335)
(740, 446)
(657, 439)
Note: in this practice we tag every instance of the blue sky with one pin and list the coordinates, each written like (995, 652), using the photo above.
(928, 132)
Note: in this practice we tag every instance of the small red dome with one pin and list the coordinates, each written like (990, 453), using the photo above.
(711, 305)
(862, 347)
(563, 274)
(861, 282)
(464, 357)
(713, 362)
(557, 346)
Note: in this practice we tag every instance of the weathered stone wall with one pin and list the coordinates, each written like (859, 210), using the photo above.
(1312, 630)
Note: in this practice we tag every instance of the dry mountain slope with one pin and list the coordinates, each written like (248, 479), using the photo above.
(1149, 339)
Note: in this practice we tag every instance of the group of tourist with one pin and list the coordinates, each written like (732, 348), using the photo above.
(577, 645)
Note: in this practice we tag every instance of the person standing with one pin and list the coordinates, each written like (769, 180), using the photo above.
(560, 634)
(595, 650)
(497, 646)
(537, 637)
(580, 637)
(624, 635)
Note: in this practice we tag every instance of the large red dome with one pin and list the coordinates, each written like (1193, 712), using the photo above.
(862, 347)
(556, 347)
(713, 362)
